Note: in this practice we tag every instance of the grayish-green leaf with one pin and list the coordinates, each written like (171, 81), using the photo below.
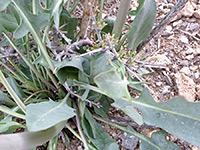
(176, 116)
(142, 24)
(7, 22)
(121, 17)
(4, 99)
(4, 4)
(128, 109)
(37, 22)
(113, 84)
(9, 127)
(44, 115)
(158, 138)
(100, 138)
(28, 140)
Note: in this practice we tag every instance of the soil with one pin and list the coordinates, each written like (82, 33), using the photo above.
(176, 48)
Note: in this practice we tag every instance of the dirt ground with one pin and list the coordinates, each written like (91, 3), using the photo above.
(172, 58)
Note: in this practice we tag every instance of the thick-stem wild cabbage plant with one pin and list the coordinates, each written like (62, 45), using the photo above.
(60, 77)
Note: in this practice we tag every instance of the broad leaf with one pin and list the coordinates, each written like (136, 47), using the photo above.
(7, 22)
(4, 99)
(4, 4)
(176, 116)
(30, 22)
(158, 138)
(99, 137)
(70, 68)
(9, 127)
(99, 64)
(113, 84)
(142, 24)
(28, 140)
(44, 115)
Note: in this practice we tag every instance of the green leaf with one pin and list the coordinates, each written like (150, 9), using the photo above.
(158, 138)
(100, 138)
(28, 140)
(128, 109)
(70, 68)
(37, 22)
(104, 102)
(99, 64)
(44, 115)
(7, 22)
(4, 4)
(4, 99)
(113, 84)
(9, 127)
(142, 24)
(71, 23)
(176, 116)
(109, 25)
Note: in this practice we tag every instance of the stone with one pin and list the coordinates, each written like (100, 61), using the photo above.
(190, 51)
(186, 71)
(193, 68)
(129, 142)
(159, 59)
(197, 13)
(184, 39)
(197, 75)
(186, 87)
(169, 28)
(189, 57)
(188, 10)
(158, 83)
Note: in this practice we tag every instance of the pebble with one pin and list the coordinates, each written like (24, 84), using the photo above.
(197, 13)
(186, 71)
(79, 148)
(177, 23)
(184, 39)
(193, 68)
(189, 57)
(188, 10)
(190, 51)
(196, 75)
(158, 83)
(166, 89)
(169, 28)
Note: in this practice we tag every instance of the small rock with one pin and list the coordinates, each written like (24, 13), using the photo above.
(158, 83)
(129, 142)
(193, 27)
(189, 57)
(197, 51)
(193, 68)
(196, 75)
(184, 39)
(197, 13)
(186, 87)
(188, 10)
(177, 23)
(159, 59)
(190, 51)
(79, 148)
(166, 90)
(169, 28)
(186, 71)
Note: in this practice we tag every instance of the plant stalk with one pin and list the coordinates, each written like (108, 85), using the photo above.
(12, 92)
(12, 113)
